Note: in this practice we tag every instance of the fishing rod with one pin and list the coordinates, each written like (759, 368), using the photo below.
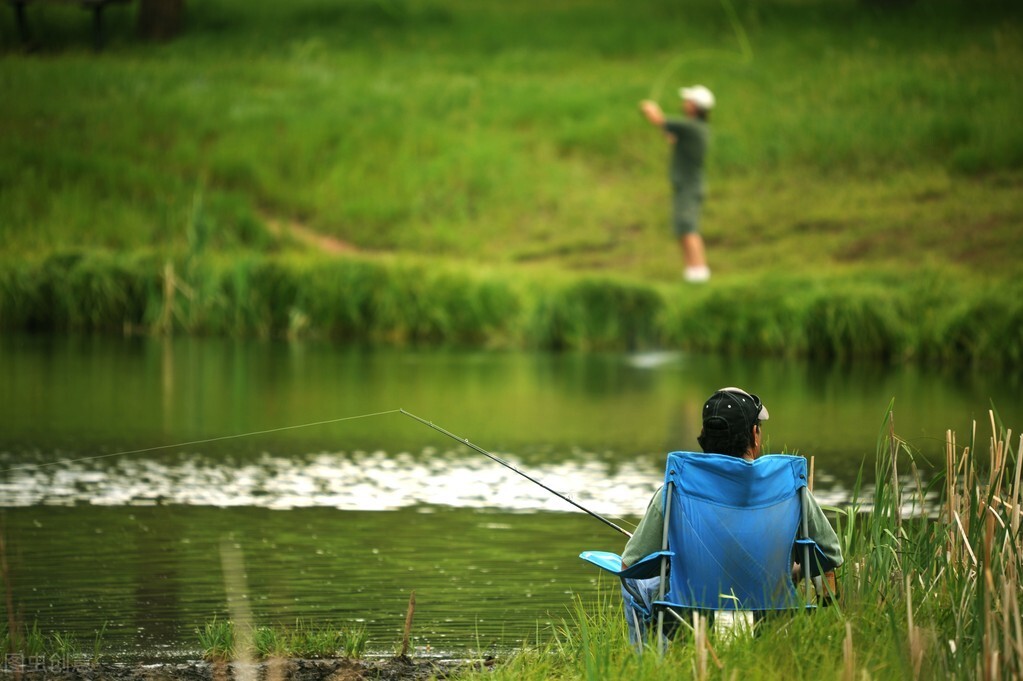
(507, 465)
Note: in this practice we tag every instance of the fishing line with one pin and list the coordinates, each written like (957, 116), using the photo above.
(199, 442)
(321, 423)
(507, 465)
(745, 52)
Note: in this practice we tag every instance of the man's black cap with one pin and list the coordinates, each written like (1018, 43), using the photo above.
(733, 410)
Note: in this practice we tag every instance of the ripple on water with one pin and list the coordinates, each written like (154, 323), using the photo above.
(356, 480)
(342, 480)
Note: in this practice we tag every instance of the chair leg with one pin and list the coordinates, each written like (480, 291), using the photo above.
(660, 633)
(662, 587)
(685, 620)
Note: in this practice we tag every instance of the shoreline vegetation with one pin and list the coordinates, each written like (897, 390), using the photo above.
(920, 597)
(397, 301)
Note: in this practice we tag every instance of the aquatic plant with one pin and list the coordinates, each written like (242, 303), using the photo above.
(216, 640)
(312, 641)
(269, 642)
(97, 643)
(63, 646)
(36, 647)
(353, 641)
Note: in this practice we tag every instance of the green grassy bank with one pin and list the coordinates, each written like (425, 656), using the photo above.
(864, 174)
(407, 301)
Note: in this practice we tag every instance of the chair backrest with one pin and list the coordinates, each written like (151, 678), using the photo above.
(731, 524)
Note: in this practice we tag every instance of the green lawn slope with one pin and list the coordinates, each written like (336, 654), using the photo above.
(852, 143)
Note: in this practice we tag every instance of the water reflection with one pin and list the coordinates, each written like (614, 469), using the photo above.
(152, 574)
(377, 481)
(367, 481)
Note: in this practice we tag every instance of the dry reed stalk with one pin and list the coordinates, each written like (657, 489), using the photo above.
(913, 636)
(1014, 524)
(995, 451)
(966, 470)
(989, 535)
(1002, 503)
(971, 470)
(1012, 598)
(896, 494)
(966, 539)
(408, 624)
(700, 643)
(1006, 626)
(989, 653)
(848, 655)
(1012, 574)
(953, 549)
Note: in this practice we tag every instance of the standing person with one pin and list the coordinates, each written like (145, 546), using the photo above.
(688, 137)
(731, 426)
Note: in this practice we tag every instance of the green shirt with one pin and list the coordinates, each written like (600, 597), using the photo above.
(650, 533)
(691, 138)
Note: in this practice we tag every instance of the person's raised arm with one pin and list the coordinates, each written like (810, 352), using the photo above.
(652, 112)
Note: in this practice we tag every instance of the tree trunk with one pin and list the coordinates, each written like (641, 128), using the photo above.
(160, 19)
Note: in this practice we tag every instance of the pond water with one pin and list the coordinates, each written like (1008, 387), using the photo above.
(128, 466)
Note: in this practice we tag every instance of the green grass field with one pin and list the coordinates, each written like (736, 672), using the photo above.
(845, 137)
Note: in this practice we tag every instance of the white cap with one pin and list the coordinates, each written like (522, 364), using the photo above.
(698, 95)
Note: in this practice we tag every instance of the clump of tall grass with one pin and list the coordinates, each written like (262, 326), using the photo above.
(949, 584)
(55, 648)
(218, 640)
(985, 326)
(410, 301)
(592, 313)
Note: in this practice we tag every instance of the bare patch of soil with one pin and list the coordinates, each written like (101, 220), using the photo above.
(315, 240)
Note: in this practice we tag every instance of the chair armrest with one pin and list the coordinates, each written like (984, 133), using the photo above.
(605, 560)
(819, 563)
(650, 566)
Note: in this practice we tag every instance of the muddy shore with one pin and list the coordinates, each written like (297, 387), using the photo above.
(391, 669)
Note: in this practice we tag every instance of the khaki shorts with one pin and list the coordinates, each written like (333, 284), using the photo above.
(686, 214)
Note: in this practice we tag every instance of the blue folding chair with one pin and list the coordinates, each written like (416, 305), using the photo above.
(731, 530)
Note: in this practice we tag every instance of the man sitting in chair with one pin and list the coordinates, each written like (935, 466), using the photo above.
(731, 426)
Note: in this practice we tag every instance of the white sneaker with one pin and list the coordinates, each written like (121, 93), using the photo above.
(696, 275)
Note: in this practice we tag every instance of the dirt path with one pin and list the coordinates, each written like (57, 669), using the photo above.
(302, 234)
